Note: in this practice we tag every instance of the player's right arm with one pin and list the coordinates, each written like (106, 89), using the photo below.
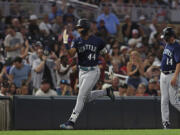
(71, 51)
(177, 70)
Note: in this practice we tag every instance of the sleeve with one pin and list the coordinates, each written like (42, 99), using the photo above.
(11, 71)
(6, 42)
(38, 93)
(54, 93)
(50, 63)
(74, 44)
(35, 64)
(29, 68)
(116, 19)
(41, 26)
(21, 38)
(177, 53)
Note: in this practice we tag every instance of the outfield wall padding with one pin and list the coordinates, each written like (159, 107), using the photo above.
(32, 112)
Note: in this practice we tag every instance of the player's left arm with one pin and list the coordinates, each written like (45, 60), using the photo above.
(177, 71)
(175, 76)
(71, 50)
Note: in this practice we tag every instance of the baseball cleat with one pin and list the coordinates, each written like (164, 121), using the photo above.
(166, 125)
(110, 93)
(69, 125)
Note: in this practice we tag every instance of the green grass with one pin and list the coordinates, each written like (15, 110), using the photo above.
(93, 132)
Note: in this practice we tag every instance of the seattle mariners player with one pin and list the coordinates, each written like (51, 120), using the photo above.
(88, 48)
(170, 68)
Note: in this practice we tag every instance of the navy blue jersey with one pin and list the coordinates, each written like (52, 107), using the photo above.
(171, 56)
(88, 50)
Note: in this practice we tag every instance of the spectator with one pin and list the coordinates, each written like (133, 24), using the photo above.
(64, 70)
(153, 71)
(123, 59)
(33, 30)
(13, 43)
(69, 15)
(24, 89)
(12, 89)
(102, 30)
(16, 24)
(43, 68)
(143, 26)
(141, 90)
(116, 68)
(54, 12)
(141, 49)
(4, 89)
(94, 29)
(115, 85)
(115, 54)
(45, 26)
(122, 89)
(45, 89)
(4, 74)
(64, 89)
(132, 42)
(151, 91)
(148, 61)
(34, 55)
(128, 27)
(20, 72)
(102, 66)
(99, 85)
(56, 50)
(57, 27)
(38, 67)
(25, 50)
(135, 71)
(2, 25)
(153, 26)
(110, 20)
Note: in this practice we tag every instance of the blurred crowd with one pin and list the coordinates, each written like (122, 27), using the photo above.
(170, 3)
(34, 61)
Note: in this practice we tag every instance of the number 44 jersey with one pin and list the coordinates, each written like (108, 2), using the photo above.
(88, 50)
(171, 56)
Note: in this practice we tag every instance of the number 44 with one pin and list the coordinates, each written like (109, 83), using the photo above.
(92, 56)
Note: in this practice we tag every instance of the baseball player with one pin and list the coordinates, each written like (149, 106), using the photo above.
(170, 68)
(88, 48)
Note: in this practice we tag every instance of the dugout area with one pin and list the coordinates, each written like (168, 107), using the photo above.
(46, 113)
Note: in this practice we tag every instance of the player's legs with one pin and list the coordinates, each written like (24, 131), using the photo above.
(173, 94)
(164, 86)
(95, 93)
(86, 83)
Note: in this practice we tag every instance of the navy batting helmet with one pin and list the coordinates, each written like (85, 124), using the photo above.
(167, 33)
(83, 23)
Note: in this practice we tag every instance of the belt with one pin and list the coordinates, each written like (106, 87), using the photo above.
(87, 68)
(168, 72)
